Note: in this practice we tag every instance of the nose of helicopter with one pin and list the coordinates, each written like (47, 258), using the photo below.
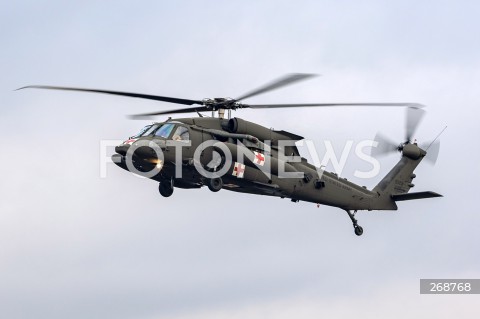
(144, 155)
(119, 160)
(122, 149)
(120, 153)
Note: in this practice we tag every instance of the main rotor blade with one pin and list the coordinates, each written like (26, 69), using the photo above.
(268, 106)
(185, 110)
(384, 146)
(265, 106)
(414, 116)
(137, 95)
(283, 81)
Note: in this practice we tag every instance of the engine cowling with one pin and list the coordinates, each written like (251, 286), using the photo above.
(239, 126)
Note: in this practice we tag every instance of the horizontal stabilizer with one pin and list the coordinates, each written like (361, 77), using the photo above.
(419, 195)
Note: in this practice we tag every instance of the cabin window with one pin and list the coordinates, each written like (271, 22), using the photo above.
(181, 134)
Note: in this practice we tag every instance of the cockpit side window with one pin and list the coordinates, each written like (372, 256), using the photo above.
(181, 134)
(165, 130)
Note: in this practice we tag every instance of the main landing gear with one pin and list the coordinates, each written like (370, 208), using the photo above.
(165, 187)
(215, 184)
(358, 229)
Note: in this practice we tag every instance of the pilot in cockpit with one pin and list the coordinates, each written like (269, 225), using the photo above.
(181, 134)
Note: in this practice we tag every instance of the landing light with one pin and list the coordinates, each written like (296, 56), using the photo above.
(159, 164)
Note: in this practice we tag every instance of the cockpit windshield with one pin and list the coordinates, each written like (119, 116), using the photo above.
(143, 130)
(162, 130)
(165, 130)
(150, 130)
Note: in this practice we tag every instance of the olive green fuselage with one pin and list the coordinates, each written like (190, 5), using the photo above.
(244, 141)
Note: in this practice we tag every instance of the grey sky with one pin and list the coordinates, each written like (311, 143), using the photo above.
(74, 245)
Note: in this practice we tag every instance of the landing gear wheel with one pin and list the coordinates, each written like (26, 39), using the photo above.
(215, 184)
(165, 188)
(358, 230)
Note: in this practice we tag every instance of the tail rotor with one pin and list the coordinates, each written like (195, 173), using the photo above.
(414, 116)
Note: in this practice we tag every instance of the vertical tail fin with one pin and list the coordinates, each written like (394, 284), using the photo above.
(399, 179)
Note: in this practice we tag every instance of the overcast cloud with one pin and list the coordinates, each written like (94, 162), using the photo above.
(75, 245)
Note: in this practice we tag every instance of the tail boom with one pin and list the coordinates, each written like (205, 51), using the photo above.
(397, 183)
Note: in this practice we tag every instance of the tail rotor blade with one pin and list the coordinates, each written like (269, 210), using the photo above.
(433, 149)
(414, 116)
(384, 146)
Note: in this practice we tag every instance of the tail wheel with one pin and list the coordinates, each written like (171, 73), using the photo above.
(358, 230)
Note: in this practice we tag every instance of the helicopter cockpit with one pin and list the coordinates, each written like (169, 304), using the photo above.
(164, 130)
(172, 131)
(180, 132)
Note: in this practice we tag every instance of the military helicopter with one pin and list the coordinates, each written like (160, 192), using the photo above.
(241, 156)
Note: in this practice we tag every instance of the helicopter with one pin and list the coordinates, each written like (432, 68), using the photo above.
(241, 156)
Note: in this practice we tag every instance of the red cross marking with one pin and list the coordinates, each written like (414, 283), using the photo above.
(239, 169)
(130, 141)
(259, 157)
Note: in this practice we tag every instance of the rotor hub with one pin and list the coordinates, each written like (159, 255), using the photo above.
(221, 103)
